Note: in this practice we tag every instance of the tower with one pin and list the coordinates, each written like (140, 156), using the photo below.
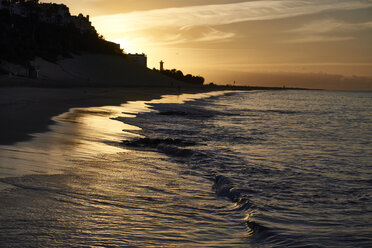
(161, 65)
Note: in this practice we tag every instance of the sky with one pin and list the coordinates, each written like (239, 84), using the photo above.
(302, 43)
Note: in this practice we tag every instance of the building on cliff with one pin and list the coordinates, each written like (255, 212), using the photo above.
(83, 23)
(54, 13)
(140, 59)
(58, 14)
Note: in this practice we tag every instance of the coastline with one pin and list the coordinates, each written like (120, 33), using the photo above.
(25, 111)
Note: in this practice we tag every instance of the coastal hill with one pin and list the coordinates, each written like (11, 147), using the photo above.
(43, 44)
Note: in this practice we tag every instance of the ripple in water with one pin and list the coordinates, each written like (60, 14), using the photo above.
(243, 169)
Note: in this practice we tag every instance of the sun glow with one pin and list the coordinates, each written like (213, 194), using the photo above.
(223, 40)
(129, 45)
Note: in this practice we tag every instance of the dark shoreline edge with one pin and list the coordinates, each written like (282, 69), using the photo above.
(25, 111)
(28, 110)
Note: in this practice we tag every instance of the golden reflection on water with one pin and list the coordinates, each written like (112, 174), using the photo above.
(111, 199)
(81, 133)
(78, 134)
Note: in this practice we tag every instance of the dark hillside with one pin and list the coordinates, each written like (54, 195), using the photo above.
(43, 32)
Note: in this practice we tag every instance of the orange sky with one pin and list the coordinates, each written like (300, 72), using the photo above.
(235, 40)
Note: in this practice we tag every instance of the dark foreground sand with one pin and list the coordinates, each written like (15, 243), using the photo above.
(24, 111)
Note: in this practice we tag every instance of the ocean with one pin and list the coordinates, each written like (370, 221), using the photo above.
(222, 169)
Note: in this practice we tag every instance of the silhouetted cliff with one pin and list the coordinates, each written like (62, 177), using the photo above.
(29, 29)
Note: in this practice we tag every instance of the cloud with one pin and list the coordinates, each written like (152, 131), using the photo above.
(331, 25)
(327, 30)
(172, 36)
(319, 38)
(204, 33)
(211, 15)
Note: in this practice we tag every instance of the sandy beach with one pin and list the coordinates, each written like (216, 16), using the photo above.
(29, 110)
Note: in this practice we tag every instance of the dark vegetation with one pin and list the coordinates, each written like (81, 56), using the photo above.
(23, 37)
(178, 75)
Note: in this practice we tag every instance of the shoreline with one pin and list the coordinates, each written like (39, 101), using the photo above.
(26, 111)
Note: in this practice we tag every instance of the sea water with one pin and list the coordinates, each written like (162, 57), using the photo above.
(223, 169)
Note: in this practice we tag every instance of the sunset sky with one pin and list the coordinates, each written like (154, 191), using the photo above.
(235, 40)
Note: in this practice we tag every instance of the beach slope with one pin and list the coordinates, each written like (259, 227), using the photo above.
(89, 70)
(25, 111)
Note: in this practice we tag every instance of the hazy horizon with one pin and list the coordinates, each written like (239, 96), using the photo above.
(232, 40)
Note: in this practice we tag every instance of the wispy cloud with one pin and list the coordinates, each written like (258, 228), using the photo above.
(331, 25)
(319, 38)
(178, 36)
(210, 15)
(327, 30)
(204, 33)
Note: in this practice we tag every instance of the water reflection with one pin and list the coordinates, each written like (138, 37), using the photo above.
(78, 134)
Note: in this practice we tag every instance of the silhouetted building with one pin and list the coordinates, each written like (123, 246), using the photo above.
(140, 59)
(48, 12)
(54, 13)
(162, 65)
(83, 23)
(113, 47)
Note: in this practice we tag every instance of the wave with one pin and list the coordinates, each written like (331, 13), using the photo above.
(168, 146)
(175, 151)
(274, 111)
(259, 234)
(155, 142)
(174, 112)
(190, 110)
(224, 187)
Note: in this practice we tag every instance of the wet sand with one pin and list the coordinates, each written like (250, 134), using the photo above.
(25, 111)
